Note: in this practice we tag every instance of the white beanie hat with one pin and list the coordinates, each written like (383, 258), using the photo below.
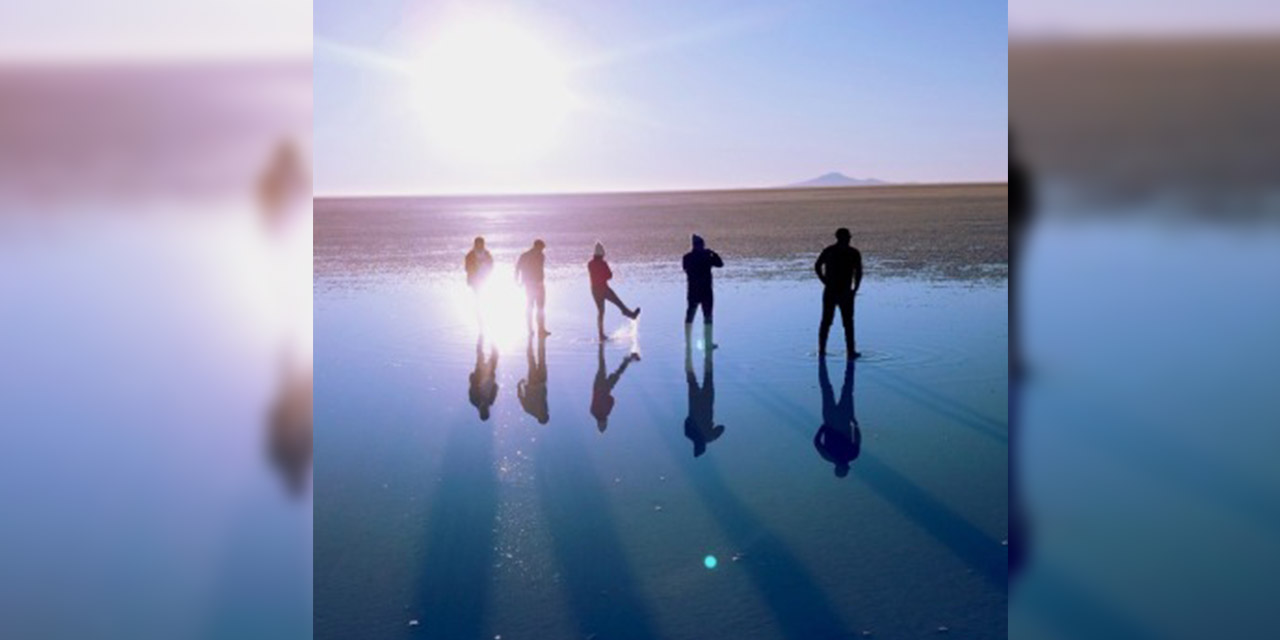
(599, 250)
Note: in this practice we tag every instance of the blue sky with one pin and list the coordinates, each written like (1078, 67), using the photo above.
(681, 95)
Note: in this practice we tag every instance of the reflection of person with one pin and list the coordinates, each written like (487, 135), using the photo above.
(1021, 209)
(600, 274)
(838, 440)
(532, 390)
(700, 426)
(697, 268)
(289, 429)
(529, 272)
(484, 381)
(478, 264)
(839, 267)
(602, 389)
(282, 188)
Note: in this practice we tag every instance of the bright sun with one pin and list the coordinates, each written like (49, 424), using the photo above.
(492, 91)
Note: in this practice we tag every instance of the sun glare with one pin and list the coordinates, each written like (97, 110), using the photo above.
(492, 91)
(497, 311)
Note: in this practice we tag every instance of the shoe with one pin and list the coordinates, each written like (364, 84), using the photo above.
(635, 313)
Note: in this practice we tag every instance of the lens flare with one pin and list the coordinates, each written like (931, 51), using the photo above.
(492, 91)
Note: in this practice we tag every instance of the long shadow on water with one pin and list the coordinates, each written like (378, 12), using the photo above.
(452, 592)
(603, 592)
(944, 406)
(966, 541)
(800, 607)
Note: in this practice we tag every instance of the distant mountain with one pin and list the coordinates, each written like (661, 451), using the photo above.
(837, 179)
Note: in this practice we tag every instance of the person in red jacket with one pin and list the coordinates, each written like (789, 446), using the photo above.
(601, 291)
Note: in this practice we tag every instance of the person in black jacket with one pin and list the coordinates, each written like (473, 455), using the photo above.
(839, 267)
(697, 269)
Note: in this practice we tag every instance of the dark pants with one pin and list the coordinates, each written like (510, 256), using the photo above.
(694, 302)
(830, 300)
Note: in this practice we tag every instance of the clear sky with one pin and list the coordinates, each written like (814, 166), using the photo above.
(656, 95)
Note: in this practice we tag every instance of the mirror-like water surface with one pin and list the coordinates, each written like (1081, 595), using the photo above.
(560, 488)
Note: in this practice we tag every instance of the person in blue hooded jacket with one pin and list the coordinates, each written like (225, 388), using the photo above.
(698, 264)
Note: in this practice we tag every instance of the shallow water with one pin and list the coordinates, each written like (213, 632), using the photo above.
(508, 527)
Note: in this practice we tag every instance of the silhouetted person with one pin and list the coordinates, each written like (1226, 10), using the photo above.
(284, 179)
(484, 380)
(602, 388)
(700, 426)
(1021, 209)
(532, 390)
(283, 194)
(600, 274)
(838, 440)
(1021, 205)
(697, 269)
(839, 267)
(529, 272)
(289, 429)
(478, 264)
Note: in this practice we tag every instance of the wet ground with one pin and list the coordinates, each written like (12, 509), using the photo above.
(559, 488)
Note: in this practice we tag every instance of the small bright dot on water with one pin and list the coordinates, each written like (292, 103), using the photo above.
(710, 562)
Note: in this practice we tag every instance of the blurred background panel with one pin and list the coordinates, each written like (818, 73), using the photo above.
(1146, 306)
(155, 330)
(1143, 118)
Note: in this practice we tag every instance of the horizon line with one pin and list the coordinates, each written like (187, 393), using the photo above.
(521, 194)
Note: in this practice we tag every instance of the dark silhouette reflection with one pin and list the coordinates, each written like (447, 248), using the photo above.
(838, 440)
(484, 381)
(602, 389)
(289, 429)
(532, 390)
(700, 426)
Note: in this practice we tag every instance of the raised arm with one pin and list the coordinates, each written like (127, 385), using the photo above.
(715, 260)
